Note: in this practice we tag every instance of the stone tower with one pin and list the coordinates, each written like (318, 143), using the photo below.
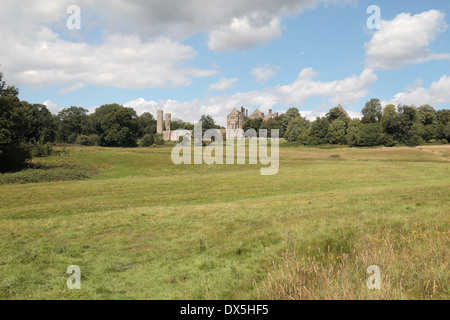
(159, 121)
(168, 120)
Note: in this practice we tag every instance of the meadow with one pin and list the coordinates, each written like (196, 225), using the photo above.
(140, 227)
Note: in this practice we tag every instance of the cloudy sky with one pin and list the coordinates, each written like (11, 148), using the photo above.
(194, 57)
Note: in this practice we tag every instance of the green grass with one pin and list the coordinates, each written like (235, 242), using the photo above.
(143, 228)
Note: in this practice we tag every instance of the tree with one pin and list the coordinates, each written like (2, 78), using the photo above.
(414, 136)
(296, 127)
(443, 125)
(72, 122)
(14, 151)
(372, 111)
(146, 141)
(369, 135)
(288, 117)
(391, 124)
(116, 125)
(208, 122)
(426, 115)
(319, 131)
(353, 132)
(147, 124)
(158, 139)
(7, 91)
(273, 124)
(337, 113)
(252, 124)
(41, 124)
(390, 121)
(293, 113)
(443, 116)
(408, 134)
(337, 132)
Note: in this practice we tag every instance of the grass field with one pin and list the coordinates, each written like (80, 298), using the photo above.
(143, 228)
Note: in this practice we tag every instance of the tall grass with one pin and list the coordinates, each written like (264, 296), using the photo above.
(413, 264)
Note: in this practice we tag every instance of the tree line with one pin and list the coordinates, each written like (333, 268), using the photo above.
(389, 126)
(30, 130)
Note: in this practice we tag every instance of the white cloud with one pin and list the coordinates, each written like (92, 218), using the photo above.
(223, 84)
(437, 94)
(179, 19)
(242, 34)
(264, 73)
(405, 40)
(130, 43)
(345, 92)
(72, 88)
(52, 107)
(36, 51)
(123, 62)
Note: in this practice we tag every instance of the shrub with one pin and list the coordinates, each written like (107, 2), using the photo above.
(369, 135)
(389, 141)
(13, 156)
(40, 149)
(83, 140)
(158, 139)
(94, 140)
(146, 141)
(72, 138)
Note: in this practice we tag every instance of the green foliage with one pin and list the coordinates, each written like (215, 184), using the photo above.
(352, 132)
(252, 124)
(426, 115)
(90, 140)
(443, 116)
(7, 91)
(319, 131)
(146, 124)
(38, 173)
(337, 132)
(146, 141)
(369, 135)
(338, 113)
(390, 121)
(208, 122)
(72, 122)
(296, 127)
(116, 125)
(285, 119)
(158, 139)
(14, 149)
(41, 125)
(292, 113)
(82, 140)
(41, 149)
(413, 136)
(372, 111)
(272, 124)
(94, 139)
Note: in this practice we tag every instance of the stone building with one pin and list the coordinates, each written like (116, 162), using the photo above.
(236, 119)
(271, 115)
(169, 135)
(257, 115)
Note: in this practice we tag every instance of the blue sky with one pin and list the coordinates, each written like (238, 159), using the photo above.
(195, 57)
